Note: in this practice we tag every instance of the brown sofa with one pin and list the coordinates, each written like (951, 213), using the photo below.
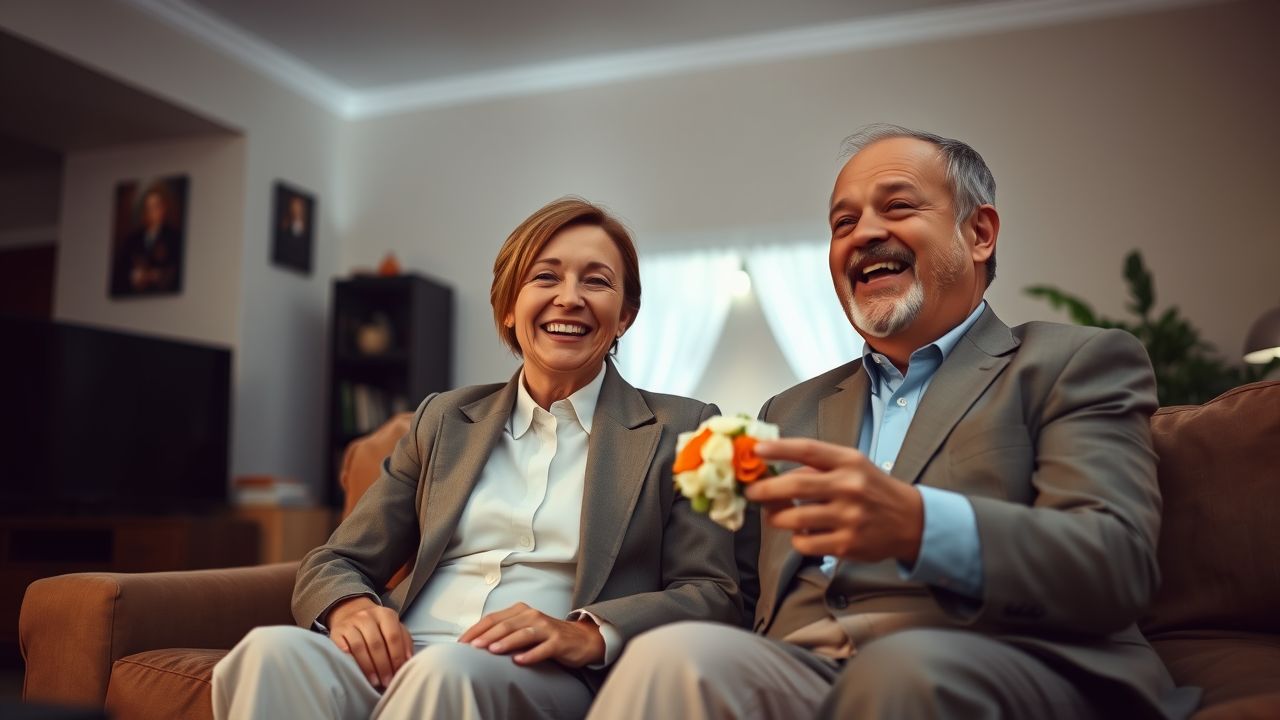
(144, 645)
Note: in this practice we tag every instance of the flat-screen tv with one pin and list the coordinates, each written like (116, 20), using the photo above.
(97, 421)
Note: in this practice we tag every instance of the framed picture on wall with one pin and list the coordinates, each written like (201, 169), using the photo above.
(293, 229)
(148, 237)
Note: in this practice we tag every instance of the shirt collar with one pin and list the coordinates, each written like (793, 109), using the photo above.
(944, 345)
(583, 403)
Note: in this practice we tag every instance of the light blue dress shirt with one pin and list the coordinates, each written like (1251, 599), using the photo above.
(950, 555)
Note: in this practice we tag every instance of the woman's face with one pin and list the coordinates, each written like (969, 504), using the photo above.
(570, 308)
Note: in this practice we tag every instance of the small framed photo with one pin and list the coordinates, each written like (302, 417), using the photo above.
(148, 237)
(293, 229)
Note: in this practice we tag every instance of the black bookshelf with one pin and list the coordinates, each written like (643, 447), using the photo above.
(391, 346)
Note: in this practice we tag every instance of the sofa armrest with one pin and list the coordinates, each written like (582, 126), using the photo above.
(73, 627)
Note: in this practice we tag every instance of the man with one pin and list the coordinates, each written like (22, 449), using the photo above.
(972, 532)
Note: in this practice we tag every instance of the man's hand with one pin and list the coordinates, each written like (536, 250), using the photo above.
(373, 635)
(839, 503)
(541, 637)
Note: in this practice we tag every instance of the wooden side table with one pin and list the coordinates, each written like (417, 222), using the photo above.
(288, 533)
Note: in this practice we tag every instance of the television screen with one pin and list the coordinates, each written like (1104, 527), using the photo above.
(100, 421)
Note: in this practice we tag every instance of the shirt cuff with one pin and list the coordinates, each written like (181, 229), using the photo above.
(612, 638)
(950, 551)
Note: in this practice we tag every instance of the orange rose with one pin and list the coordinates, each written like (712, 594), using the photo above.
(691, 456)
(747, 466)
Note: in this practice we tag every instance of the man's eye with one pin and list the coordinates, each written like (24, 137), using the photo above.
(899, 205)
(845, 222)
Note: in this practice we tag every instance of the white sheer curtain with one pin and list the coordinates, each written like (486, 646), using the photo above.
(793, 284)
(685, 301)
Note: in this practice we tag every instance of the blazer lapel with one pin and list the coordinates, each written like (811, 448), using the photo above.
(972, 365)
(464, 444)
(840, 422)
(624, 436)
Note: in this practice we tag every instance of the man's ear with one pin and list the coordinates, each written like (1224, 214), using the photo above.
(984, 223)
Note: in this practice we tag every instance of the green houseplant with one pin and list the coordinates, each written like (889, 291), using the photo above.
(1188, 369)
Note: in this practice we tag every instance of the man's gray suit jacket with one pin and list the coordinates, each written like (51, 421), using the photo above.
(1045, 429)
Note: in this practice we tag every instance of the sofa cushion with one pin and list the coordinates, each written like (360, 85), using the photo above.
(162, 684)
(1229, 666)
(1220, 480)
(362, 464)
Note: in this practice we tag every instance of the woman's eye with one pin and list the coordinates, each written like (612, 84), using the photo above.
(600, 281)
(544, 277)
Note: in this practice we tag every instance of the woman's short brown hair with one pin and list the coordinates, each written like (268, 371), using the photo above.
(524, 244)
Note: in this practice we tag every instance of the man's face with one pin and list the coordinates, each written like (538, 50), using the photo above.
(153, 210)
(900, 264)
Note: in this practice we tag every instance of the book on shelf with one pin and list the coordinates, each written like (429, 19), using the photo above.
(365, 407)
(270, 490)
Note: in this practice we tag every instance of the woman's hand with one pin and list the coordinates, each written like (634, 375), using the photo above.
(373, 635)
(540, 637)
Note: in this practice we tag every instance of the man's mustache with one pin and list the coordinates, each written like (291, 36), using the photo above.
(879, 252)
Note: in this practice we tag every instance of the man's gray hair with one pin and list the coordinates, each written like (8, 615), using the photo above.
(971, 181)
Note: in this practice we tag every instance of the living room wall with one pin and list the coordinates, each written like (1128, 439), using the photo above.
(206, 309)
(276, 320)
(1152, 131)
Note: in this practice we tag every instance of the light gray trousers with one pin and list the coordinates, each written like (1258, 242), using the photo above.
(288, 672)
(701, 671)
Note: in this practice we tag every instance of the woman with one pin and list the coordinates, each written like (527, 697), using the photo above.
(540, 514)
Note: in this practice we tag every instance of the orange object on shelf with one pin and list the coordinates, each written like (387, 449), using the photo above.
(389, 266)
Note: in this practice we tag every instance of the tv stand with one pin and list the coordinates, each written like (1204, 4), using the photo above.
(33, 547)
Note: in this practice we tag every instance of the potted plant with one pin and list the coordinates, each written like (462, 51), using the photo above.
(1188, 369)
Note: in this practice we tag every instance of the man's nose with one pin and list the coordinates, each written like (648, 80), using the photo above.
(870, 229)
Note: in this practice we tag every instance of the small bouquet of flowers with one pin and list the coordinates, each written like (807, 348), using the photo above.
(715, 460)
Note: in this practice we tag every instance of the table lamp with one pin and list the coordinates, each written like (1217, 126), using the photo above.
(1262, 344)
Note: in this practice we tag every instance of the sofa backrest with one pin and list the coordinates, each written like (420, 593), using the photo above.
(362, 463)
(1220, 534)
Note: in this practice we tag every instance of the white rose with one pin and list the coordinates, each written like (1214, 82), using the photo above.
(726, 424)
(718, 449)
(727, 510)
(762, 430)
(716, 478)
(690, 483)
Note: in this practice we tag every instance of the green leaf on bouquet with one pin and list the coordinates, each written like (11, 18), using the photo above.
(701, 503)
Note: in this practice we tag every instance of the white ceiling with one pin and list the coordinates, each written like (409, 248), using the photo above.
(377, 56)
(376, 43)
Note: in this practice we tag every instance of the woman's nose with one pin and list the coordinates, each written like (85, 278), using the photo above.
(568, 296)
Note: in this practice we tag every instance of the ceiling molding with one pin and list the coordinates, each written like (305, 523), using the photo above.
(826, 39)
(252, 51)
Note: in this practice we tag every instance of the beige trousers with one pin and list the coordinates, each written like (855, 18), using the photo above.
(700, 671)
(288, 672)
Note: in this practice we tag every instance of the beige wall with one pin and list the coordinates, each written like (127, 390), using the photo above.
(206, 308)
(1153, 132)
(276, 319)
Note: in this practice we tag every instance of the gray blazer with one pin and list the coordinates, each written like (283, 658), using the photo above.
(645, 558)
(1045, 428)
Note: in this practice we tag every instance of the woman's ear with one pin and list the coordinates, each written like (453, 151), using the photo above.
(509, 320)
(624, 323)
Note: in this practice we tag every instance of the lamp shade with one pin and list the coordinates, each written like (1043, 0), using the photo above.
(1262, 344)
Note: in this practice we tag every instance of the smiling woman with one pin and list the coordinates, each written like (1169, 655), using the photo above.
(566, 286)
(539, 514)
